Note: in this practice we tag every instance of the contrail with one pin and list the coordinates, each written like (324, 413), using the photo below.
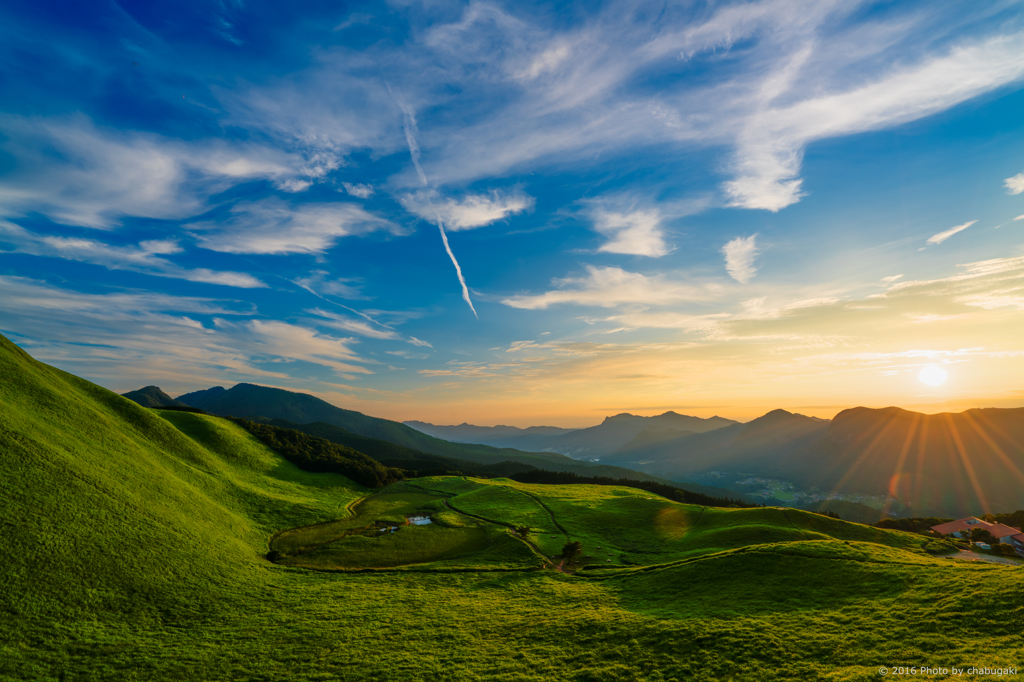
(409, 123)
(458, 270)
(410, 137)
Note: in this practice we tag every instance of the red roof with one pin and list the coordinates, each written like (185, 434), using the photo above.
(997, 530)
(1000, 531)
(961, 524)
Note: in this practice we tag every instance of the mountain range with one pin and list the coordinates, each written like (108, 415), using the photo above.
(393, 443)
(593, 442)
(943, 464)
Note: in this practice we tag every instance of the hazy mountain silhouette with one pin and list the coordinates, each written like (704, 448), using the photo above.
(956, 463)
(738, 447)
(589, 443)
(500, 436)
(947, 464)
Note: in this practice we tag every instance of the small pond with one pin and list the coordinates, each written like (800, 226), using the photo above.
(419, 520)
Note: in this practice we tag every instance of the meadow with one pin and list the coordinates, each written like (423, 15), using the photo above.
(135, 542)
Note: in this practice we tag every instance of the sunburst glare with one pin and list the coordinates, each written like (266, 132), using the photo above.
(932, 375)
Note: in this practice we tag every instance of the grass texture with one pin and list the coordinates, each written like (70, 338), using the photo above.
(134, 548)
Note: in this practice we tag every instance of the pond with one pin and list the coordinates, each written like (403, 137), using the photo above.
(418, 520)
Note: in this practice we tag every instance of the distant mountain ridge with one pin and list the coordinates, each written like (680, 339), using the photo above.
(152, 396)
(940, 464)
(253, 401)
(588, 443)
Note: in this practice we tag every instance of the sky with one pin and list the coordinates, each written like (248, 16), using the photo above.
(520, 214)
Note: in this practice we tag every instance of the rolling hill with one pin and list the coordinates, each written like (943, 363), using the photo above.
(135, 546)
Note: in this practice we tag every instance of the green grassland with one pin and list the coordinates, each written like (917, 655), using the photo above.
(133, 547)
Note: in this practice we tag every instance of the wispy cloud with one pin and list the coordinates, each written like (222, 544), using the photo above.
(770, 145)
(943, 236)
(740, 254)
(274, 226)
(1015, 185)
(637, 233)
(469, 212)
(98, 176)
(125, 339)
(891, 278)
(607, 287)
(145, 257)
(319, 283)
(358, 190)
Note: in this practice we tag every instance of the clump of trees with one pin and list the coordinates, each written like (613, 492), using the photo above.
(572, 551)
(319, 455)
(669, 491)
(1004, 550)
(523, 531)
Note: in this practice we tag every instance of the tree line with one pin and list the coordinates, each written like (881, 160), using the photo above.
(320, 455)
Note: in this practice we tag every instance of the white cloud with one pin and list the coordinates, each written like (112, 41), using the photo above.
(740, 254)
(273, 226)
(636, 233)
(289, 342)
(470, 212)
(75, 173)
(358, 190)
(1015, 185)
(143, 258)
(608, 287)
(891, 278)
(317, 283)
(943, 236)
(770, 146)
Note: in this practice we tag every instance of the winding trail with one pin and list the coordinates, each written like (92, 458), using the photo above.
(533, 548)
(545, 507)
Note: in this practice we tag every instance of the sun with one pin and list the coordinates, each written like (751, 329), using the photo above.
(932, 375)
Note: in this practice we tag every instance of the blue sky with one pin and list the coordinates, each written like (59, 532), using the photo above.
(708, 207)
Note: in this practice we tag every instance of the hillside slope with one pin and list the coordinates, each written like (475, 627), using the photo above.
(111, 511)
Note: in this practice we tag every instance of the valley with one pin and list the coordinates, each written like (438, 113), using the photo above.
(156, 544)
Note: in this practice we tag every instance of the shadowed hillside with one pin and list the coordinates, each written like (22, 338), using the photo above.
(152, 396)
(251, 401)
(956, 464)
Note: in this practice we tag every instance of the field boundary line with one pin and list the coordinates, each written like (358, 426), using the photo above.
(545, 507)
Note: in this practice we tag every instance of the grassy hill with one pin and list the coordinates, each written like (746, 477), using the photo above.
(134, 546)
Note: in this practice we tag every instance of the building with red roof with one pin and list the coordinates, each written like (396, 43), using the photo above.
(1001, 532)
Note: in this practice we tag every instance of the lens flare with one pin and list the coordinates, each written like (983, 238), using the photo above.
(932, 375)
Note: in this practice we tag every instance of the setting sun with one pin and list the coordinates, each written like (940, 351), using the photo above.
(932, 375)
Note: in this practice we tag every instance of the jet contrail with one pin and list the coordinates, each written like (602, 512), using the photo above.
(409, 123)
(458, 270)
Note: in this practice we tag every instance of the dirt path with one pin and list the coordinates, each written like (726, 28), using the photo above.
(967, 555)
